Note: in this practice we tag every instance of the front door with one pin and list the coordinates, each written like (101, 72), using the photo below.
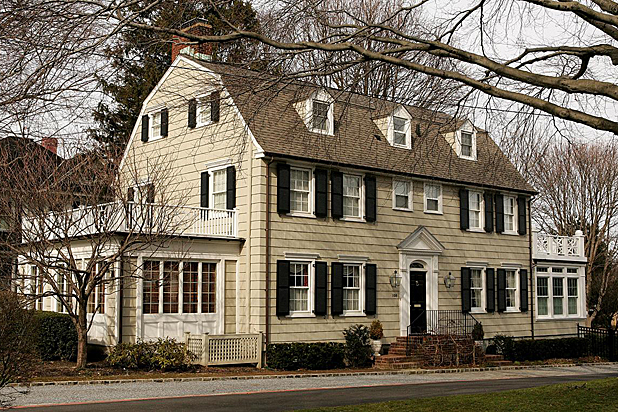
(418, 301)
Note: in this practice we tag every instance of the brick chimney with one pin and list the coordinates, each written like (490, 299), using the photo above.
(50, 143)
(182, 45)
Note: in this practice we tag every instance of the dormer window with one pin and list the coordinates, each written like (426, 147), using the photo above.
(400, 128)
(320, 115)
(398, 124)
(465, 141)
(466, 144)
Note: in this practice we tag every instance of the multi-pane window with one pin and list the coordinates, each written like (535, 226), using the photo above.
(150, 294)
(351, 195)
(542, 293)
(190, 286)
(402, 193)
(433, 196)
(400, 131)
(63, 289)
(511, 289)
(509, 214)
(37, 287)
(476, 288)
(203, 110)
(351, 287)
(558, 294)
(219, 188)
(198, 287)
(299, 287)
(475, 203)
(155, 125)
(209, 280)
(320, 115)
(96, 300)
(572, 296)
(300, 189)
(466, 144)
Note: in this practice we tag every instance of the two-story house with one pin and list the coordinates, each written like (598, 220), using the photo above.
(312, 209)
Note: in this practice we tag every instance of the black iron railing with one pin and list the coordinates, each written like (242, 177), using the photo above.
(441, 322)
(600, 342)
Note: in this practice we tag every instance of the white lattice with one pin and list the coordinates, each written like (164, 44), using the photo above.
(572, 247)
(225, 349)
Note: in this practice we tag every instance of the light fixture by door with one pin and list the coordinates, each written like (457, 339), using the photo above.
(395, 280)
(449, 280)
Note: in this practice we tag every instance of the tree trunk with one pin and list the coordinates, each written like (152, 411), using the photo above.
(82, 338)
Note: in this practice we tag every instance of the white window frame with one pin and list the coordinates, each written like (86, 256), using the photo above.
(361, 199)
(211, 183)
(401, 113)
(323, 97)
(310, 212)
(151, 116)
(483, 307)
(309, 313)
(410, 184)
(481, 226)
(516, 307)
(361, 292)
(467, 128)
(505, 200)
(425, 198)
(203, 101)
(550, 274)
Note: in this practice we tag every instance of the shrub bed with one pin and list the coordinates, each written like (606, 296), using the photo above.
(541, 349)
(163, 354)
(299, 355)
(56, 337)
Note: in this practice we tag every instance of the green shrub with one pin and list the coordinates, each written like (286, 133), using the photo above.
(376, 331)
(357, 346)
(540, 349)
(56, 336)
(163, 354)
(299, 355)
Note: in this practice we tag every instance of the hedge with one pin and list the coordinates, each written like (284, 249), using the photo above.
(542, 349)
(163, 354)
(299, 355)
(56, 337)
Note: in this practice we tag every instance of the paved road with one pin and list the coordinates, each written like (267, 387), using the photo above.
(288, 394)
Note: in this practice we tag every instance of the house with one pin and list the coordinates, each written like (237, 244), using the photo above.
(306, 210)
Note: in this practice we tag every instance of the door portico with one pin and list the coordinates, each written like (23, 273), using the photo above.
(419, 251)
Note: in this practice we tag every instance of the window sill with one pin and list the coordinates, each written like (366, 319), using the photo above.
(403, 209)
(153, 139)
(476, 230)
(198, 125)
(511, 310)
(353, 219)
(559, 318)
(434, 212)
(322, 132)
(301, 214)
(477, 311)
(301, 315)
(467, 158)
(354, 314)
(401, 146)
(510, 233)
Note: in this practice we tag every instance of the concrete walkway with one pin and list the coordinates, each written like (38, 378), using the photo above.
(63, 395)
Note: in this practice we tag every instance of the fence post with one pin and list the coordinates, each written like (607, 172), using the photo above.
(205, 345)
(611, 335)
(260, 349)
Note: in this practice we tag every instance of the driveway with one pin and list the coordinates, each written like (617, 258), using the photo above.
(295, 393)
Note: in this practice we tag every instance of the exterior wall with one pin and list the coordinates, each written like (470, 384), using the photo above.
(230, 296)
(129, 302)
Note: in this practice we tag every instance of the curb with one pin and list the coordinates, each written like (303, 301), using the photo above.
(308, 375)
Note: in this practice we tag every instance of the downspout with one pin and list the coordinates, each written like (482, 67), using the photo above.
(120, 296)
(267, 324)
(248, 252)
(531, 268)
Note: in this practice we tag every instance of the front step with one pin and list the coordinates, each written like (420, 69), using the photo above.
(391, 361)
(497, 360)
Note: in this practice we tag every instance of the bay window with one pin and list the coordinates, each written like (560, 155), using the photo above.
(559, 292)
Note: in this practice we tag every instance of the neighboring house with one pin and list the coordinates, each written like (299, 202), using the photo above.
(312, 209)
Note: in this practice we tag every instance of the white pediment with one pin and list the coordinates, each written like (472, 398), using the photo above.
(421, 241)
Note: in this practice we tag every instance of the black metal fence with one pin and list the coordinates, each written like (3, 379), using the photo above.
(601, 342)
(443, 322)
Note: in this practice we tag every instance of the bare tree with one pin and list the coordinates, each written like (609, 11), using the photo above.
(71, 222)
(578, 186)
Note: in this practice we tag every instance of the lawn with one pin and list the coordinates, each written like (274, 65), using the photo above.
(598, 395)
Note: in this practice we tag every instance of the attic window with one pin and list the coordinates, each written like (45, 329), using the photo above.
(466, 144)
(320, 115)
(399, 127)
(400, 135)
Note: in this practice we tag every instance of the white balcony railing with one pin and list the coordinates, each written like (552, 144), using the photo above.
(150, 219)
(553, 247)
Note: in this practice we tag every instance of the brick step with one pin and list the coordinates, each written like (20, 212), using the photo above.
(494, 357)
(404, 365)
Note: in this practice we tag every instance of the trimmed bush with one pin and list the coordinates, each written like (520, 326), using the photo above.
(540, 349)
(299, 355)
(163, 354)
(358, 351)
(56, 337)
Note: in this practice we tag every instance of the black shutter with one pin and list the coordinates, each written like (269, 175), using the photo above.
(131, 194)
(150, 193)
(336, 289)
(499, 213)
(283, 288)
(283, 188)
(165, 120)
(336, 194)
(489, 212)
(231, 187)
(464, 215)
(215, 106)
(321, 193)
(192, 115)
(523, 290)
(204, 190)
(321, 273)
(521, 215)
(490, 283)
(370, 198)
(145, 128)
(371, 288)
(466, 297)
(501, 290)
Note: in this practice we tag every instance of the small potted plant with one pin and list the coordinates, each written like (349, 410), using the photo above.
(376, 333)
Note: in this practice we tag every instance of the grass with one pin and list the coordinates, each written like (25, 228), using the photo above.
(597, 395)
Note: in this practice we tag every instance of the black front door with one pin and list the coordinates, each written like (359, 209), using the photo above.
(418, 301)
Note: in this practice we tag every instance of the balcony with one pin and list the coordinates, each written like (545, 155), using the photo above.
(561, 248)
(144, 219)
